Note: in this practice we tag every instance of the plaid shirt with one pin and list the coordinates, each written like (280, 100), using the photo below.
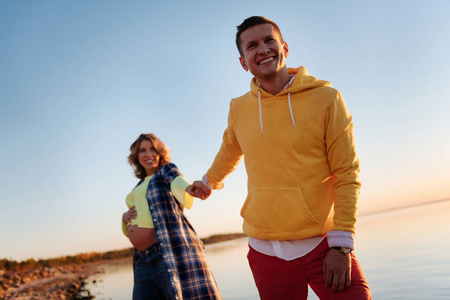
(180, 246)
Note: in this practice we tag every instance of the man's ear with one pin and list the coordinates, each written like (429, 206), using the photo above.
(243, 64)
(285, 49)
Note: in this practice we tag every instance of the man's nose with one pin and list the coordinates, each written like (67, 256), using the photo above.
(263, 49)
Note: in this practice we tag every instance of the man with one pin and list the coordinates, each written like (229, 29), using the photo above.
(296, 137)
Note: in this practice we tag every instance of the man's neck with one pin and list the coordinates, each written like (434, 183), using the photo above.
(275, 84)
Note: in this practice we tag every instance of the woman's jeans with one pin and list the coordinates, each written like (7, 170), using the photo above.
(151, 279)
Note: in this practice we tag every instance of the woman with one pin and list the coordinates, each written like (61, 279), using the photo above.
(169, 262)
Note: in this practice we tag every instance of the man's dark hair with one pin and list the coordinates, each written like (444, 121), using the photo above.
(250, 22)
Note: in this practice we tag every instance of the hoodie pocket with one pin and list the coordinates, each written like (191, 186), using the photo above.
(272, 210)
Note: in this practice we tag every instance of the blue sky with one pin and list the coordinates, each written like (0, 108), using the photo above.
(80, 80)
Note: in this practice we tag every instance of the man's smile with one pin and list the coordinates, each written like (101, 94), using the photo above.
(266, 60)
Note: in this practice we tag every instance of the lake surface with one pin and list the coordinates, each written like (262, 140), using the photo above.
(404, 253)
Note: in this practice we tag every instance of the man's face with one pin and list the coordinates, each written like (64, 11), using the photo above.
(264, 52)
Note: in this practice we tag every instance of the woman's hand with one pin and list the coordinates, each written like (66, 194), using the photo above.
(198, 190)
(129, 215)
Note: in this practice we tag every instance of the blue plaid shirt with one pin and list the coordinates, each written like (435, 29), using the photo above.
(181, 248)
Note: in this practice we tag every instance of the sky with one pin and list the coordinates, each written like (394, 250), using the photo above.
(80, 80)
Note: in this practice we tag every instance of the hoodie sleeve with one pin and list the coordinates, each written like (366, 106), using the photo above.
(344, 164)
(228, 157)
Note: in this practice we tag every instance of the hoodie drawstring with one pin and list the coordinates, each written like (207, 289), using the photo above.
(290, 110)
(260, 112)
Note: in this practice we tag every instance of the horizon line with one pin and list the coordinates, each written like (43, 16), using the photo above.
(404, 207)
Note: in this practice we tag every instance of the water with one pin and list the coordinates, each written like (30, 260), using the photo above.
(404, 254)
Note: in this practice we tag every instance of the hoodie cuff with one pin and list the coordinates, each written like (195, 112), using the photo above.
(341, 239)
(205, 181)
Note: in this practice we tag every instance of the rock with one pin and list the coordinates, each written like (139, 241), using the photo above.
(26, 280)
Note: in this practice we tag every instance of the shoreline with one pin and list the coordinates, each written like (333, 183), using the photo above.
(67, 281)
(63, 282)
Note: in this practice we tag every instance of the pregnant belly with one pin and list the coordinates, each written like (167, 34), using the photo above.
(141, 238)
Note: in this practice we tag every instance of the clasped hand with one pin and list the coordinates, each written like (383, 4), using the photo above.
(199, 190)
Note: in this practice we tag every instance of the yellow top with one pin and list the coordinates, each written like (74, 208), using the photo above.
(137, 197)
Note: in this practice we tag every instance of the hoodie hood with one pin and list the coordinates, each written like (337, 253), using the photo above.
(302, 81)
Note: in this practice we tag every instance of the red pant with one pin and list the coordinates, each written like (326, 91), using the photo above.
(278, 279)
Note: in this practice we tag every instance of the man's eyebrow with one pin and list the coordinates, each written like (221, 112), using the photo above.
(269, 36)
(250, 42)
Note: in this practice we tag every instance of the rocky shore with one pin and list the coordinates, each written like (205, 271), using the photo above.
(66, 282)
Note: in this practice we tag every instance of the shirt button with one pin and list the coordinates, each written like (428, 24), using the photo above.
(154, 220)
(161, 244)
(151, 208)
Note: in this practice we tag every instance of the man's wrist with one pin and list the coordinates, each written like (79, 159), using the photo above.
(343, 250)
(338, 238)
(206, 183)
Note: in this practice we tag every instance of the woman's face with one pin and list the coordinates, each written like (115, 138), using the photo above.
(148, 157)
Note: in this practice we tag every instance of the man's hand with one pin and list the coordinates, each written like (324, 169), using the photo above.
(199, 190)
(337, 270)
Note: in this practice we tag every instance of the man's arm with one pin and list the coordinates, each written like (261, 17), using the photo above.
(229, 155)
(344, 165)
(225, 162)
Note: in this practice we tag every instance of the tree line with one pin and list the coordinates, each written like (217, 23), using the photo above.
(30, 264)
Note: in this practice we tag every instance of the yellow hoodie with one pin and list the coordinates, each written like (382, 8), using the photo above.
(300, 158)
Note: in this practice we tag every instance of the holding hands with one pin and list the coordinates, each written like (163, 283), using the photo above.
(199, 190)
